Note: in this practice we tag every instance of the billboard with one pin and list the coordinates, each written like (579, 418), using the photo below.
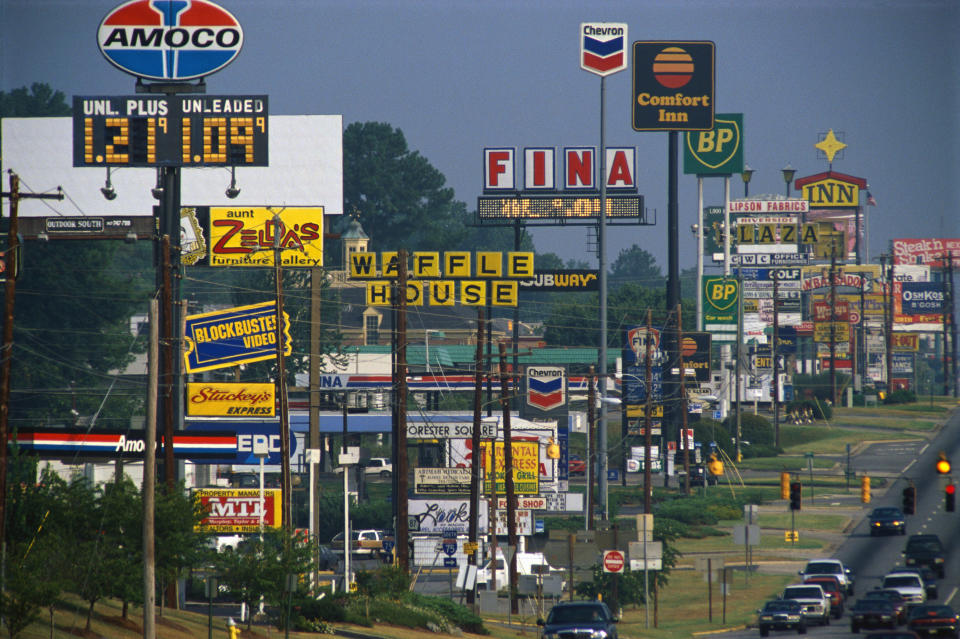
(930, 251)
(232, 336)
(224, 399)
(673, 85)
(306, 167)
(238, 510)
(718, 151)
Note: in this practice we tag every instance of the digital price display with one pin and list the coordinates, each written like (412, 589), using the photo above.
(558, 207)
(184, 130)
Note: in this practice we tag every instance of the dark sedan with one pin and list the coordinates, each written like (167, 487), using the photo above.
(872, 613)
(887, 519)
(933, 620)
(781, 614)
(894, 597)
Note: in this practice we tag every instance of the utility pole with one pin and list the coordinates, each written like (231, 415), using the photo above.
(683, 404)
(591, 446)
(508, 477)
(400, 384)
(833, 322)
(150, 479)
(475, 459)
(773, 352)
(737, 369)
(285, 483)
(947, 267)
(647, 422)
(11, 260)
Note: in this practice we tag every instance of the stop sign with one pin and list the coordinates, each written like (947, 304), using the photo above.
(613, 561)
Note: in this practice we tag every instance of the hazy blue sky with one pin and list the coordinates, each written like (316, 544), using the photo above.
(457, 76)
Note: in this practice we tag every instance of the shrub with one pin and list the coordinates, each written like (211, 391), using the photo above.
(458, 615)
(901, 396)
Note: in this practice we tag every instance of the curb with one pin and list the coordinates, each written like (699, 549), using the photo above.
(721, 630)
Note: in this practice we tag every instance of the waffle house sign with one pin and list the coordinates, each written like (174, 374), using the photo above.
(831, 190)
(445, 279)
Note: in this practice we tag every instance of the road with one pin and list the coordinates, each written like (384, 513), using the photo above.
(872, 557)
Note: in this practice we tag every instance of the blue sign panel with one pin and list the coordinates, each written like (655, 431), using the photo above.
(922, 298)
(248, 432)
(635, 381)
(233, 336)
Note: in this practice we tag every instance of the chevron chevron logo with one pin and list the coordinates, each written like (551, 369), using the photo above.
(546, 387)
(603, 47)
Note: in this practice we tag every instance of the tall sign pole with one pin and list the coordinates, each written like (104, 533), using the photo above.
(603, 52)
(673, 89)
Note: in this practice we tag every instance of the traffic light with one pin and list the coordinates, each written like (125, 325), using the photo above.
(795, 495)
(951, 495)
(943, 464)
(865, 489)
(784, 485)
(909, 500)
(714, 465)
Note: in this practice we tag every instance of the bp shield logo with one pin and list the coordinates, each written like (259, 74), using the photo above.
(603, 47)
(546, 387)
(720, 292)
(717, 151)
(174, 40)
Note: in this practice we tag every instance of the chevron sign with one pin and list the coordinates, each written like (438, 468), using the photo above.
(546, 387)
(603, 47)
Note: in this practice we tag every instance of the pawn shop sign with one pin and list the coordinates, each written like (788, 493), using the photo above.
(603, 47)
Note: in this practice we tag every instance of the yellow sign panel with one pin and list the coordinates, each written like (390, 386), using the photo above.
(823, 333)
(244, 235)
(641, 410)
(221, 399)
(791, 535)
(831, 192)
(526, 467)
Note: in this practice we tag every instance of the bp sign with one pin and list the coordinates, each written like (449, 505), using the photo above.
(718, 151)
(720, 296)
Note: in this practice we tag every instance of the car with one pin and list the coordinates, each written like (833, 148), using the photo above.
(831, 586)
(934, 620)
(925, 550)
(909, 584)
(579, 619)
(362, 542)
(815, 602)
(929, 577)
(892, 634)
(887, 519)
(699, 474)
(576, 466)
(895, 598)
(326, 558)
(833, 567)
(872, 612)
(380, 467)
(781, 614)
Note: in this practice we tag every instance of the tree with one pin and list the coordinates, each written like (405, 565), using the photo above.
(637, 266)
(39, 101)
(177, 545)
(398, 196)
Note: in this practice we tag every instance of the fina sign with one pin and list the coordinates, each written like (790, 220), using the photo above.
(170, 39)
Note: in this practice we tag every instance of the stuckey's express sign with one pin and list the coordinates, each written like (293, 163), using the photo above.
(446, 279)
(212, 399)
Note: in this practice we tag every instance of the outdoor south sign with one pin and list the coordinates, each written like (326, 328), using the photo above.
(170, 40)
(673, 85)
(718, 151)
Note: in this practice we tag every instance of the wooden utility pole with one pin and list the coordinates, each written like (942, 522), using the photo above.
(150, 478)
(168, 380)
(947, 307)
(776, 362)
(400, 384)
(508, 476)
(286, 494)
(591, 445)
(475, 456)
(683, 404)
(833, 322)
(648, 422)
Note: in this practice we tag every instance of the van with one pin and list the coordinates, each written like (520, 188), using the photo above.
(528, 563)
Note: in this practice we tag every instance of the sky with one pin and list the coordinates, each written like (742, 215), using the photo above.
(457, 76)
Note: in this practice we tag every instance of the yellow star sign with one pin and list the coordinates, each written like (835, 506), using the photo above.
(830, 145)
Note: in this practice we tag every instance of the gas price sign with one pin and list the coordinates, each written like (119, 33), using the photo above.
(183, 130)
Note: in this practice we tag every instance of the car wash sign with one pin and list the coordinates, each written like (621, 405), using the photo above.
(169, 40)
(603, 47)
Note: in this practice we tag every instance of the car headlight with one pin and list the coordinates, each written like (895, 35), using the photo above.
(938, 560)
(599, 634)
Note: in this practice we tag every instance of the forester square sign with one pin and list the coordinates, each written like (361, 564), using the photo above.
(673, 85)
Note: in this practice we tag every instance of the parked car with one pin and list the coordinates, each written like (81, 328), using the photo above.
(872, 612)
(781, 614)
(831, 586)
(576, 466)
(887, 519)
(925, 550)
(815, 602)
(833, 567)
(362, 542)
(698, 474)
(576, 618)
(378, 467)
(933, 620)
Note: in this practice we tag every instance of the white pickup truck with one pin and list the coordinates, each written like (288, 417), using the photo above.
(374, 467)
(528, 563)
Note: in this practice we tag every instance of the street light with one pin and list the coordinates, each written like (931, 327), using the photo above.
(746, 174)
(788, 173)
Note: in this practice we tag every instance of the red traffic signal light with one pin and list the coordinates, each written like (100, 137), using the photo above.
(796, 490)
(951, 498)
